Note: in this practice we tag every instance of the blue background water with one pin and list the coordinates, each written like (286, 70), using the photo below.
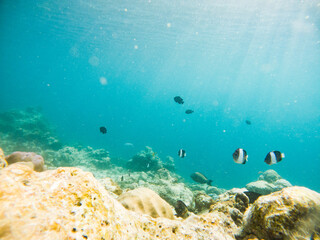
(229, 60)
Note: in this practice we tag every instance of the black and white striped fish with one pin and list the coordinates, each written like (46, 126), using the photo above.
(273, 157)
(240, 156)
(182, 153)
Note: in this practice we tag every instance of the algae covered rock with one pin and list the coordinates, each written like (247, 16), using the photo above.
(146, 201)
(36, 161)
(292, 213)
(68, 203)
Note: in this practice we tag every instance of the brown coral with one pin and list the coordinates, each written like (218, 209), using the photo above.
(27, 157)
(146, 201)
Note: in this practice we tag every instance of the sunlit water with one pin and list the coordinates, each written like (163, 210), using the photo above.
(120, 63)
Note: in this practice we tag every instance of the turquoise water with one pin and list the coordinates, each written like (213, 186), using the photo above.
(120, 63)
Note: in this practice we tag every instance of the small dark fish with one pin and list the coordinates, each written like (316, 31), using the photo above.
(200, 178)
(253, 196)
(240, 156)
(273, 157)
(178, 99)
(121, 178)
(248, 122)
(103, 130)
(182, 153)
(189, 111)
(181, 209)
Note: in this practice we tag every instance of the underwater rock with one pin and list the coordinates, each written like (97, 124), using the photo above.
(261, 187)
(37, 161)
(202, 202)
(146, 201)
(145, 160)
(68, 203)
(27, 130)
(212, 190)
(3, 162)
(269, 181)
(232, 204)
(282, 183)
(270, 176)
(292, 213)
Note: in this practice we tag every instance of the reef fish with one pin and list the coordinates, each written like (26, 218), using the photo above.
(181, 209)
(178, 99)
(248, 122)
(189, 111)
(182, 153)
(103, 130)
(200, 178)
(240, 156)
(273, 157)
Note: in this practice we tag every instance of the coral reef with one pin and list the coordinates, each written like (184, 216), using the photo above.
(146, 201)
(36, 161)
(68, 203)
(269, 181)
(162, 181)
(292, 213)
(148, 160)
(78, 156)
(27, 131)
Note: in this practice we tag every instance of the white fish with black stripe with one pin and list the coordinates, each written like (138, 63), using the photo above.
(274, 157)
(240, 156)
(182, 153)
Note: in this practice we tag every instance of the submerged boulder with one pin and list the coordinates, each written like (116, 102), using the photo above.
(68, 203)
(35, 161)
(269, 181)
(292, 213)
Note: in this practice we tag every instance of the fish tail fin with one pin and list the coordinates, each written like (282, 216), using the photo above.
(209, 182)
(282, 155)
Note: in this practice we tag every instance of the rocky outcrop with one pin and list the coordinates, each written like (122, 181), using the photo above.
(269, 181)
(292, 213)
(68, 203)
